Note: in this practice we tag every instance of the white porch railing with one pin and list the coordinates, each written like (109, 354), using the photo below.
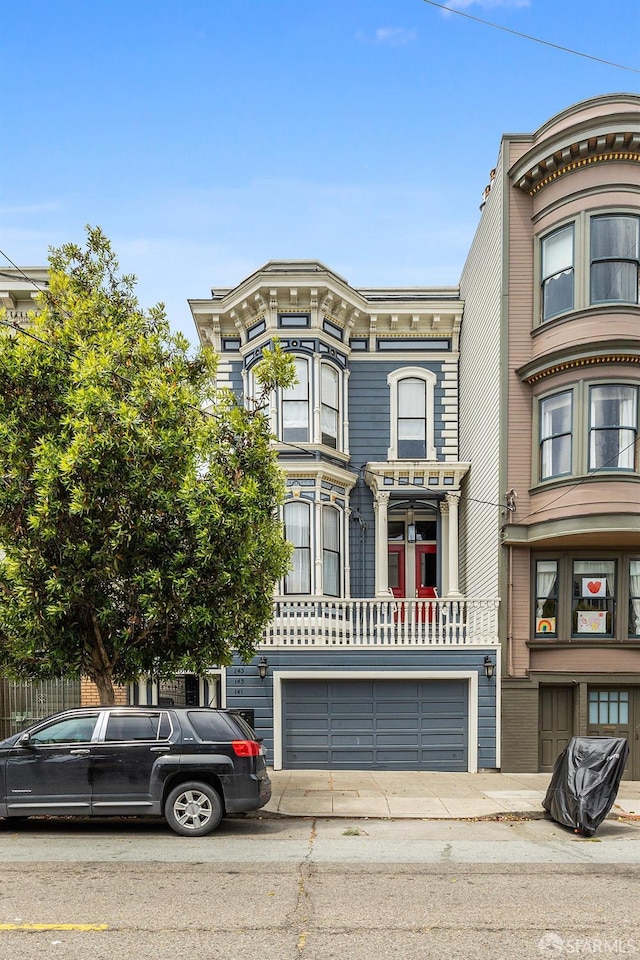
(322, 622)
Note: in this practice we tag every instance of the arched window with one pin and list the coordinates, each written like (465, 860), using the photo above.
(411, 403)
(297, 531)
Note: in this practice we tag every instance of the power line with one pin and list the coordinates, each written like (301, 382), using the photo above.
(9, 276)
(526, 36)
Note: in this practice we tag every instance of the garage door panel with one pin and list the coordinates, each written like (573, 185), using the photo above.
(352, 740)
(363, 724)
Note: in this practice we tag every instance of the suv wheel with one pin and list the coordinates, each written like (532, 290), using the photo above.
(193, 809)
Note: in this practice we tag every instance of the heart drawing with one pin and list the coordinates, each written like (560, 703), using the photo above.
(594, 586)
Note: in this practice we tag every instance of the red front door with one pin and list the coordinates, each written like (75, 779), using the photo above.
(426, 573)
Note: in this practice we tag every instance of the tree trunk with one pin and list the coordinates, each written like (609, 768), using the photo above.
(104, 685)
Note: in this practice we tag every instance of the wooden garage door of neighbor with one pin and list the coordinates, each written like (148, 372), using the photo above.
(375, 724)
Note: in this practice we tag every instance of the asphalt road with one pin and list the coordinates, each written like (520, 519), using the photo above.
(298, 889)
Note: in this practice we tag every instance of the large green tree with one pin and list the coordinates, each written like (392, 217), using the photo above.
(138, 534)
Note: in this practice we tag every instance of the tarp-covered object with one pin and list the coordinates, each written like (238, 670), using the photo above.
(585, 782)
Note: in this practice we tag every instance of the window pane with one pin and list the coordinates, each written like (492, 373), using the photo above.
(132, 728)
(557, 273)
(614, 237)
(394, 570)
(557, 295)
(614, 259)
(613, 427)
(299, 390)
(555, 435)
(546, 596)
(330, 528)
(634, 598)
(411, 398)
(557, 252)
(614, 280)
(593, 597)
(410, 429)
(71, 730)
(329, 385)
(331, 551)
(296, 523)
(299, 578)
(411, 449)
(297, 532)
(331, 574)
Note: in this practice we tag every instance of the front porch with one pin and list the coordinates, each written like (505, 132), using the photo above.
(383, 622)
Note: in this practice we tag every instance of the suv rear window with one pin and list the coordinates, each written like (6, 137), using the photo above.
(210, 726)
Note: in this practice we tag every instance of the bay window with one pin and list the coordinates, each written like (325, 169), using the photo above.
(576, 597)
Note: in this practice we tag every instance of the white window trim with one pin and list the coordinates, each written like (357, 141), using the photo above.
(339, 410)
(430, 379)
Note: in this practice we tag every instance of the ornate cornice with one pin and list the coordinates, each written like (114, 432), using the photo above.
(541, 369)
(611, 147)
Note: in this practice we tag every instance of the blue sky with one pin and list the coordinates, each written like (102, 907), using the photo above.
(208, 136)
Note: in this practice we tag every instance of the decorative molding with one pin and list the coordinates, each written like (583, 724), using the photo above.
(612, 147)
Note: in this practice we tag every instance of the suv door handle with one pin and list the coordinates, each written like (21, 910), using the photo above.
(79, 752)
(160, 749)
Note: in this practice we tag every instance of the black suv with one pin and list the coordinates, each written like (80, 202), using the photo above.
(191, 765)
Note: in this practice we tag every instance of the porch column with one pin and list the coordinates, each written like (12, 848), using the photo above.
(444, 546)
(453, 499)
(381, 507)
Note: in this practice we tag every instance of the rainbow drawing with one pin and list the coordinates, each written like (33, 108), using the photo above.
(546, 625)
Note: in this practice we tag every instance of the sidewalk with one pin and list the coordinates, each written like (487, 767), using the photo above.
(418, 794)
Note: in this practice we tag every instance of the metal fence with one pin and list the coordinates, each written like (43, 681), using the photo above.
(23, 703)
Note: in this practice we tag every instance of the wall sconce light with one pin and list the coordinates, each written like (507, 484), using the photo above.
(263, 663)
(488, 668)
(411, 532)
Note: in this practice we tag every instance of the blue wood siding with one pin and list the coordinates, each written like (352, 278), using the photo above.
(370, 410)
(246, 690)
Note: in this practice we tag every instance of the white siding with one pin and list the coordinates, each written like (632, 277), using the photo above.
(480, 396)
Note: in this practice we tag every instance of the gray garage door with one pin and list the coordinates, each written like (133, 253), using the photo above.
(375, 724)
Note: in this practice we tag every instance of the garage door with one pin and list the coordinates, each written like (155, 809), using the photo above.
(375, 724)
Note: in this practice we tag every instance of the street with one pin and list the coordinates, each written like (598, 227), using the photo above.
(313, 889)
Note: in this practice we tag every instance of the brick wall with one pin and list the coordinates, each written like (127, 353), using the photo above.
(89, 694)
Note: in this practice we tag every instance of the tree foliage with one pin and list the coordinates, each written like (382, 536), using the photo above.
(138, 534)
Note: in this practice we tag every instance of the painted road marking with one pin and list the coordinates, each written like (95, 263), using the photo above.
(54, 926)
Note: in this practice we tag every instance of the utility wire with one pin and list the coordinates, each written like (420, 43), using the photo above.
(526, 36)
(9, 276)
